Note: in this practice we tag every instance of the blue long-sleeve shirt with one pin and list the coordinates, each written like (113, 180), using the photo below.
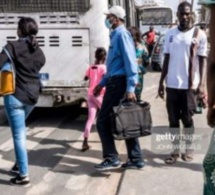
(121, 59)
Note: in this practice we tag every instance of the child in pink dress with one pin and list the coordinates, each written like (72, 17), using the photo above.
(94, 74)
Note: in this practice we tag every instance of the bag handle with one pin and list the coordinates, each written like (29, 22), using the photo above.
(10, 59)
(124, 101)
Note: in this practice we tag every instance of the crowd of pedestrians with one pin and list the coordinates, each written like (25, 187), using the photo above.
(115, 75)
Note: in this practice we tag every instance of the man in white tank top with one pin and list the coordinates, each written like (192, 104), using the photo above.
(185, 50)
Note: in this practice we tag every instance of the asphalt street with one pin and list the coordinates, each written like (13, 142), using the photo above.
(57, 166)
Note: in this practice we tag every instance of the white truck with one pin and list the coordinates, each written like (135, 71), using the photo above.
(69, 33)
(155, 13)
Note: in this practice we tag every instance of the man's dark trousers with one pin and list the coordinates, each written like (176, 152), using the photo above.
(180, 106)
(115, 90)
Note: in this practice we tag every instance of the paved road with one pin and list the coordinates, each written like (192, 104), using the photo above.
(157, 177)
(57, 166)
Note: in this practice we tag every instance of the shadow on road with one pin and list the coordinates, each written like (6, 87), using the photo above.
(157, 160)
(45, 115)
(60, 156)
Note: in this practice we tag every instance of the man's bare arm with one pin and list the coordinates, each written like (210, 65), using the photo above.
(144, 34)
(202, 72)
(165, 68)
(163, 76)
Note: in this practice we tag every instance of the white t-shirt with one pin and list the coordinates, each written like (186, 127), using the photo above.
(177, 45)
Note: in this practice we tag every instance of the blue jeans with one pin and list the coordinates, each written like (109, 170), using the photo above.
(115, 90)
(17, 112)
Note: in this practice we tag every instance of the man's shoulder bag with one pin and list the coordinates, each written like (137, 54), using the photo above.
(131, 120)
(7, 76)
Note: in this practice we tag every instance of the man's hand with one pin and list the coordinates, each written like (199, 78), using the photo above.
(130, 96)
(161, 91)
(201, 91)
(211, 116)
(97, 90)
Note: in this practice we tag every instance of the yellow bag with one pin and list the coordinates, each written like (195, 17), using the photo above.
(7, 77)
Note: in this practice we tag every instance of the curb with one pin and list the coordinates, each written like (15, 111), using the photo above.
(120, 183)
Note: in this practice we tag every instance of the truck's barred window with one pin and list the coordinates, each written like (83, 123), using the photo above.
(158, 16)
(26, 6)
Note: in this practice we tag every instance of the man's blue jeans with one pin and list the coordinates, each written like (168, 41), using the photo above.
(115, 90)
(17, 112)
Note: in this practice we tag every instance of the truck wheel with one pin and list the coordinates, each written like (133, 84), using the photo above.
(75, 110)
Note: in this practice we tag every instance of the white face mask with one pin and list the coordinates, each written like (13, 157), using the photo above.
(108, 24)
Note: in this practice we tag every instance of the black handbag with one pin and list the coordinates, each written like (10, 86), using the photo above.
(131, 120)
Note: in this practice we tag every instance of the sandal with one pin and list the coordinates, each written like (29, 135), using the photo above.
(187, 157)
(85, 148)
(171, 159)
(85, 145)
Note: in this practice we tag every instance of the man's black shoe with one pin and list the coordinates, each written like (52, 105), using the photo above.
(20, 181)
(133, 165)
(108, 164)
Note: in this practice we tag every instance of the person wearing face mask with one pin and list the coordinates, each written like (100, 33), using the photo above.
(184, 68)
(120, 81)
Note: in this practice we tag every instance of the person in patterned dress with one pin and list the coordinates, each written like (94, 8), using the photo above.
(142, 59)
(209, 161)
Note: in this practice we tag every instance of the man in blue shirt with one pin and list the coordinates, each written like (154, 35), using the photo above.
(120, 81)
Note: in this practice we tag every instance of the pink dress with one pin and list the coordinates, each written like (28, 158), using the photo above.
(95, 74)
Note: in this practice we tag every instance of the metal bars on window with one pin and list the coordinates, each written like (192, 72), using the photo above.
(30, 6)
